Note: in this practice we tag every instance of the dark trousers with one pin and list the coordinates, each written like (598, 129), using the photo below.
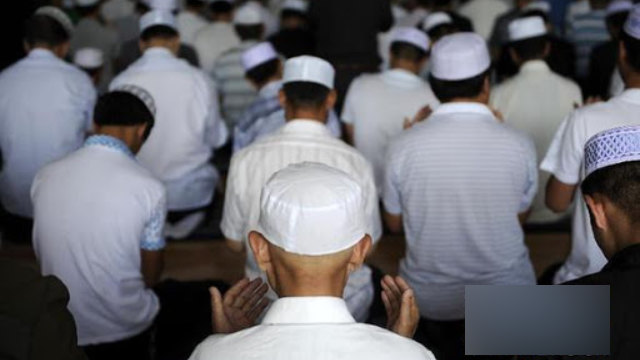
(137, 347)
(15, 229)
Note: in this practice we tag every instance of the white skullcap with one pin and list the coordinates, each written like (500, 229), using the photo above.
(58, 15)
(86, 2)
(248, 14)
(632, 26)
(619, 6)
(612, 147)
(141, 94)
(258, 54)
(164, 5)
(436, 19)
(543, 6)
(309, 69)
(526, 28)
(89, 58)
(412, 36)
(312, 209)
(459, 56)
(296, 5)
(157, 17)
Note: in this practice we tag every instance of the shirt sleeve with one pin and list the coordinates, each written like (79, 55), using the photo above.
(348, 111)
(531, 186)
(390, 193)
(233, 218)
(564, 156)
(153, 237)
(373, 206)
(334, 125)
(217, 132)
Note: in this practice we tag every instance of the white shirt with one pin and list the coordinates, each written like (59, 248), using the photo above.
(376, 106)
(459, 180)
(536, 101)
(46, 108)
(297, 141)
(189, 24)
(565, 160)
(483, 14)
(187, 127)
(94, 211)
(213, 40)
(311, 328)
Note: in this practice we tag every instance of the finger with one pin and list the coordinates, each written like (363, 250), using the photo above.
(393, 298)
(255, 297)
(258, 309)
(217, 308)
(231, 294)
(393, 286)
(406, 123)
(402, 284)
(246, 293)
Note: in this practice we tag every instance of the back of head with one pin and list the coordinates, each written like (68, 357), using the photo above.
(248, 22)
(528, 38)
(42, 30)
(409, 44)
(125, 106)
(158, 25)
(220, 7)
(307, 82)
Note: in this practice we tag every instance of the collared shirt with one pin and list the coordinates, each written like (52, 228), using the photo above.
(46, 108)
(189, 24)
(565, 160)
(311, 328)
(212, 41)
(585, 32)
(460, 200)
(236, 91)
(376, 106)
(265, 116)
(536, 101)
(94, 210)
(187, 127)
(297, 141)
(483, 14)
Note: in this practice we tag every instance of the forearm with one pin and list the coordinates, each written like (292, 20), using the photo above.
(152, 266)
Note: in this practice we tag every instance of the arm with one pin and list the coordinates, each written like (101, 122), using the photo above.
(152, 266)
(348, 130)
(235, 245)
(153, 244)
(558, 195)
(393, 222)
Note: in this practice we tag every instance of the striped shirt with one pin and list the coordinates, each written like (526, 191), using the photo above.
(460, 200)
(235, 90)
(585, 32)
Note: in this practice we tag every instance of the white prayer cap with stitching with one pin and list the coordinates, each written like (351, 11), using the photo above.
(141, 94)
(164, 5)
(86, 2)
(296, 5)
(258, 54)
(543, 6)
(58, 15)
(632, 26)
(436, 19)
(312, 209)
(526, 28)
(248, 14)
(412, 36)
(309, 69)
(619, 6)
(459, 56)
(89, 58)
(612, 147)
(157, 17)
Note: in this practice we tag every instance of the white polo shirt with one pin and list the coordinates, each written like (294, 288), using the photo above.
(483, 14)
(94, 211)
(565, 160)
(311, 328)
(459, 180)
(536, 101)
(46, 108)
(187, 129)
(212, 41)
(298, 141)
(376, 106)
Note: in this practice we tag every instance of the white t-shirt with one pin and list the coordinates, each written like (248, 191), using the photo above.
(536, 101)
(94, 211)
(376, 106)
(46, 108)
(212, 41)
(565, 160)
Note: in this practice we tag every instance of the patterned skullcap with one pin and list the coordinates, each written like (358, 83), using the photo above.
(141, 94)
(612, 147)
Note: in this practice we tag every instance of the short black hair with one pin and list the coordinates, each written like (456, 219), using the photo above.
(220, 7)
(121, 108)
(304, 94)
(620, 184)
(195, 3)
(249, 32)
(158, 31)
(617, 20)
(440, 31)
(531, 48)
(632, 46)
(446, 90)
(263, 72)
(404, 50)
(42, 29)
(291, 13)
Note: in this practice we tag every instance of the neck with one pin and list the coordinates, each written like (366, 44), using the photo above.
(315, 115)
(409, 66)
(633, 81)
(117, 132)
(478, 100)
(292, 285)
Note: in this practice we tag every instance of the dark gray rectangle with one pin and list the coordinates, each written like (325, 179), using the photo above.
(537, 320)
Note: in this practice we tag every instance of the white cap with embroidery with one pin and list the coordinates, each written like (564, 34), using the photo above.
(526, 28)
(412, 36)
(309, 69)
(459, 56)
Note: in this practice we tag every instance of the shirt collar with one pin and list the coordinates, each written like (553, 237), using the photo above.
(304, 126)
(42, 53)
(628, 257)
(535, 66)
(158, 51)
(463, 107)
(308, 310)
(109, 142)
(401, 77)
(271, 89)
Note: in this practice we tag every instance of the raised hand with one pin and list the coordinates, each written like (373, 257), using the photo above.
(420, 116)
(240, 307)
(402, 311)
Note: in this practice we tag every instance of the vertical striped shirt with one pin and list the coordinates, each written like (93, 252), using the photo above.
(585, 32)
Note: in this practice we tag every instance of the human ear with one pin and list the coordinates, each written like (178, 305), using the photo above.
(260, 249)
(359, 253)
(597, 209)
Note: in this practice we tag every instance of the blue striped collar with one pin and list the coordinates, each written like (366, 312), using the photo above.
(109, 142)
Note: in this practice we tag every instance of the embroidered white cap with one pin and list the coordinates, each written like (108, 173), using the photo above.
(58, 15)
(459, 56)
(412, 36)
(86, 2)
(612, 147)
(258, 54)
(543, 6)
(309, 69)
(312, 209)
(526, 28)
(248, 14)
(632, 26)
(88, 58)
(619, 6)
(436, 19)
(163, 5)
(157, 17)
(141, 94)
(296, 5)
